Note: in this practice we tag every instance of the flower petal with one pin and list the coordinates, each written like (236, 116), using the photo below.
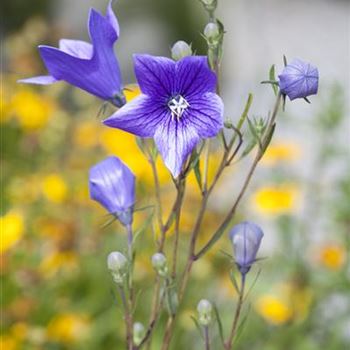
(76, 48)
(193, 76)
(40, 80)
(155, 75)
(175, 141)
(205, 114)
(140, 117)
(112, 19)
(112, 184)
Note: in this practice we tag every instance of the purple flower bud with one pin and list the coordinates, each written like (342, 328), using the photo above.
(298, 79)
(246, 238)
(112, 184)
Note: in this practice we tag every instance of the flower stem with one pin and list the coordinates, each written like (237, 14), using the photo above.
(128, 319)
(206, 338)
(229, 343)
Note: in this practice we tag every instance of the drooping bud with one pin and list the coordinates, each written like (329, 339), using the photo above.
(118, 265)
(112, 184)
(138, 333)
(159, 263)
(180, 50)
(204, 309)
(299, 79)
(246, 238)
(212, 32)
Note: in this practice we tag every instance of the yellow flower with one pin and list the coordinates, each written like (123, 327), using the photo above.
(276, 199)
(8, 342)
(273, 309)
(12, 229)
(68, 328)
(289, 301)
(19, 330)
(54, 188)
(123, 145)
(332, 256)
(57, 261)
(31, 110)
(131, 91)
(281, 152)
(86, 134)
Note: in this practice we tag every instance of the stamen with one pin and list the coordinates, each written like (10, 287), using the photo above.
(177, 106)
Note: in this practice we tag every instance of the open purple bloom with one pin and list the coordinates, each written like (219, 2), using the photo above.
(246, 238)
(91, 67)
(178, 106)
(298, 79)
(112, 184)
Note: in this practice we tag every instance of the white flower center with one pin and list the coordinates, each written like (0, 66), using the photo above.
(177, 105)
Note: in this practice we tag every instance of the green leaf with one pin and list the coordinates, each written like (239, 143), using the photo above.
(272, 77)
(242, 324)
(234, 281)
(245, 111)
(198, 326)
(221, 330)
(197, 172)
(268, 139)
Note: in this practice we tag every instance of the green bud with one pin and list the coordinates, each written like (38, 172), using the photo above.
(138, 333)
(204, 309)
(159, 263)
(118, 265)
(180, 50)
(212, 31)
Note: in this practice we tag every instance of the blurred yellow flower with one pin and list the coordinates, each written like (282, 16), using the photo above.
(12, 229)
(56, 261)
(54, 188)
(131, 91)
(273, 309)
(123, 145)
(19, 330)
(281, 152)
(288, 302)
(332, 256)
(86, 134)
(280, 199)
(31, 109)
(68, 328)
(7, 342)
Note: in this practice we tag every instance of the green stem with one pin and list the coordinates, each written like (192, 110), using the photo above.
(229, 343)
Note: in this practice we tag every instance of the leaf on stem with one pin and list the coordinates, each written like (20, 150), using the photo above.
(242, 324)
(199, 328)
(234, 282)
(221, 329)
(272, 77)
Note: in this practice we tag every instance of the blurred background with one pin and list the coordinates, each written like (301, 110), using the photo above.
(56, 291)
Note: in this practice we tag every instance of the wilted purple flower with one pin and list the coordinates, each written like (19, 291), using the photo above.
(178, 106)
(246, 238)
(112, 184)
(298, 79)
(91, 67)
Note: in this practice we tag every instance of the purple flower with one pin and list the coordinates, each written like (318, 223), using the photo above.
(298, 79)
(91, 67)
(112, 184)
(178, 106)
(246, 238)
